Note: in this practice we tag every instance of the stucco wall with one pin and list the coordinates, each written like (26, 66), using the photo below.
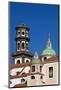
(20, 58)
(34, 82)
(46, 57)
(13, 71)
(17, 81)
(45, 70)
(37, 67)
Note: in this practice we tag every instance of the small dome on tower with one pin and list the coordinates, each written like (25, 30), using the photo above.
(36, 59)
(49, 51)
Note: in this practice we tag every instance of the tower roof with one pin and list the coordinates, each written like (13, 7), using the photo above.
(36, 59)
(22, 26)
(27, 53)
(48, 50)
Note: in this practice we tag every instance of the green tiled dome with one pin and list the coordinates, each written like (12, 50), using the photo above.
(48, 51)
(36, 59)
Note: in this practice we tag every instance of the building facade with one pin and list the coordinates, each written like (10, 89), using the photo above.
(29, 70)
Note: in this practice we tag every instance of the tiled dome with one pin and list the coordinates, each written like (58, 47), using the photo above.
(48, 51)
(36, 60)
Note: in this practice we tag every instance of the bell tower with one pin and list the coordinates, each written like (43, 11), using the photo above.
(22, 38)
(22, 54)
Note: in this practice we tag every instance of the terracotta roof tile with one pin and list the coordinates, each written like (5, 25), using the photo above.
(20, 85)
(52, 59)
(19, 65)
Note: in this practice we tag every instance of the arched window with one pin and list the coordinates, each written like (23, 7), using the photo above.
(18, 61)
(40, 68)
(23, 45)
(17, 73)
(23, 73)
(27, 60)
(45, 58)
(41, 77)
(32, 77)
(18, 46)
(33, 68)
(18, 33)
(50, 72)
(22, 80)
(23, 33)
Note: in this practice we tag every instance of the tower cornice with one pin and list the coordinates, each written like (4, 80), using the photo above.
(22, 26)
(22, 53)
(22, 38)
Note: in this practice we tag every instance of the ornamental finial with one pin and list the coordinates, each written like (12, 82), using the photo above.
(49, 45)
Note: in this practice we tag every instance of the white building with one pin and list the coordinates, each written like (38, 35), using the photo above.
(51, 65)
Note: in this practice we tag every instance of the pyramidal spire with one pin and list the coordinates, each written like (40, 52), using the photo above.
(49, 44)
(36, 55)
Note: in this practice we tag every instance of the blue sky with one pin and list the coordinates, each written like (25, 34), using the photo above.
(42, 20)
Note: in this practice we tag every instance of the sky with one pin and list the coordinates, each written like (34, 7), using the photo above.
(42, 19)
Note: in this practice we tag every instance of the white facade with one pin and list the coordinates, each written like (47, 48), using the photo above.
(45, 80)
(38, 72)
(45, 70)
(17, 81)
(34, 82)
(20, 59)
(14, 71)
